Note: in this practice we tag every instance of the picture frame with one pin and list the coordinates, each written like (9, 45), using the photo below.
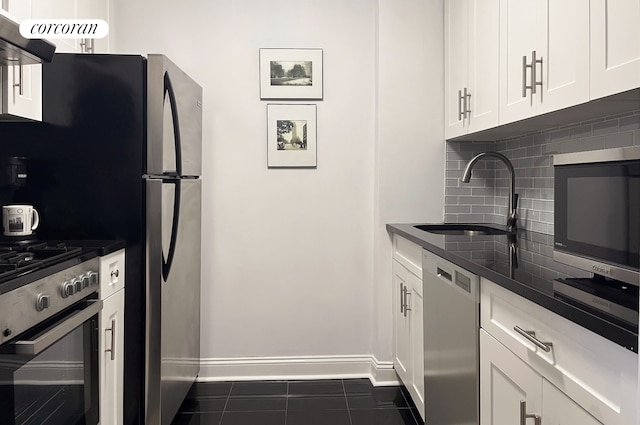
(291, 74)
(291, 136)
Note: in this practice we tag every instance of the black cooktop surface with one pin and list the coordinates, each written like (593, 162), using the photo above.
(23, 261)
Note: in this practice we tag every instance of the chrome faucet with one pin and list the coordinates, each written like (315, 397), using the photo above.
(512, 214)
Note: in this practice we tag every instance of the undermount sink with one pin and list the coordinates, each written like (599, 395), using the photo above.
(461, 229)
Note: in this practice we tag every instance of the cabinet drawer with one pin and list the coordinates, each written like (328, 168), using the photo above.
(598, 374)
(408, 254)
(111, 273)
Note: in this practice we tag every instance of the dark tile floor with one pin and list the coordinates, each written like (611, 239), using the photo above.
(325, 402)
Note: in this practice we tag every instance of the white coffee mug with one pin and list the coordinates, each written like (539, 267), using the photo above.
(19, 220)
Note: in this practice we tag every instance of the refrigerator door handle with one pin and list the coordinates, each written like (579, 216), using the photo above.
(168, 90)
(166, 263)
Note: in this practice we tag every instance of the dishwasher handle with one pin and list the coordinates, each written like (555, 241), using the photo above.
(444, 274)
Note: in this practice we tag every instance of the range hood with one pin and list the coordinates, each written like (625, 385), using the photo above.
(17, 50)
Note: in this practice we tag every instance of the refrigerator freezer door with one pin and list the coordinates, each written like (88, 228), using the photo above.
(173, 291)
(174, 145)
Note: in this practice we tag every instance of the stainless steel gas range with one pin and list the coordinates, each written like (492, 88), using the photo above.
(49, 310)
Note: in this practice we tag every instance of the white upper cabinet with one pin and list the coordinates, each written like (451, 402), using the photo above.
(456, 64)
(565, 45)
(471, 65)
(94, 9)
(58, 9)
(20, 9)
(72, 9)
(23, 83)
(544, 57)
(484, 25)
(615, 46)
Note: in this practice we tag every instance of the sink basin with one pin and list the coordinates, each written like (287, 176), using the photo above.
(461, 229)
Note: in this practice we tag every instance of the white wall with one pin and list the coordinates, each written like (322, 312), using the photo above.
(295, 262)
(410, 132)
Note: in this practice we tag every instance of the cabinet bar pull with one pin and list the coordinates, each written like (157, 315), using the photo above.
(406, 307)
(531, 337)
(401, 298)
(467, 103)
(524, 76)
(86, 45)
(461, 99)
(19, 84)
(524, 415)
(534, 79)
(112, 350)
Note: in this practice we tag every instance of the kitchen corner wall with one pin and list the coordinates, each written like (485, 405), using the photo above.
(296, 262)
(484, 198)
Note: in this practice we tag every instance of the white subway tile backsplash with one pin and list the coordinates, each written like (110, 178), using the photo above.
(630, 123)
(618, 140)
(466, 191)
(485, 191)
(581, 132)
(606, 127)
(458, 209)
(484, 198)
(560, 135)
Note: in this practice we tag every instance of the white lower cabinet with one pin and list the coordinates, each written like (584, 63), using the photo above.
(511, 392)
(407, 312)
(111, 359)
(111, 344)
(402, 355)
(565, 373)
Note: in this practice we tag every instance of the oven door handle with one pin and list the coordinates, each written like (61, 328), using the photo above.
(54, 334)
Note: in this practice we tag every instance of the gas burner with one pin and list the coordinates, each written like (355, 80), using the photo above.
(18, 259)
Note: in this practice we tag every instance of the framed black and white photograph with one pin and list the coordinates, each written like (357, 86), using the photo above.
(291, 135)
(291, 74)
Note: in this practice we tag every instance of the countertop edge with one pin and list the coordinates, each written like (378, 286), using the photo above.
(602, 327)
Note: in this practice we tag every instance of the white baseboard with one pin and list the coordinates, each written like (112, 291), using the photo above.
(298, 368)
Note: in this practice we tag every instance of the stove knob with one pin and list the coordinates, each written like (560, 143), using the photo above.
(68, 289)
(85, 282)
(78, 284)
(93, 277)
(42, 302)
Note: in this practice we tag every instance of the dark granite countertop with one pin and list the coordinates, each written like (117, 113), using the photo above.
(524, 264)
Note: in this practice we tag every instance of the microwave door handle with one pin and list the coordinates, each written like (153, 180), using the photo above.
(167, 263)
(51, 336)
(168, 91)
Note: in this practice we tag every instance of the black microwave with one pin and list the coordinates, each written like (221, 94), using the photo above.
(597, 212)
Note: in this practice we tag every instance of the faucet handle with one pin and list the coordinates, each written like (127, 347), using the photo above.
(512, 217)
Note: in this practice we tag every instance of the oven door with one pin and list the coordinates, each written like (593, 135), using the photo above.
(49, 375)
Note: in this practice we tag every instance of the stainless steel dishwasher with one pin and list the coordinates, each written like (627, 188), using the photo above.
(451, 342)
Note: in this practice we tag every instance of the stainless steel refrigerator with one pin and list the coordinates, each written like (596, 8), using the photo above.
(173, 235)
(118, 156)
